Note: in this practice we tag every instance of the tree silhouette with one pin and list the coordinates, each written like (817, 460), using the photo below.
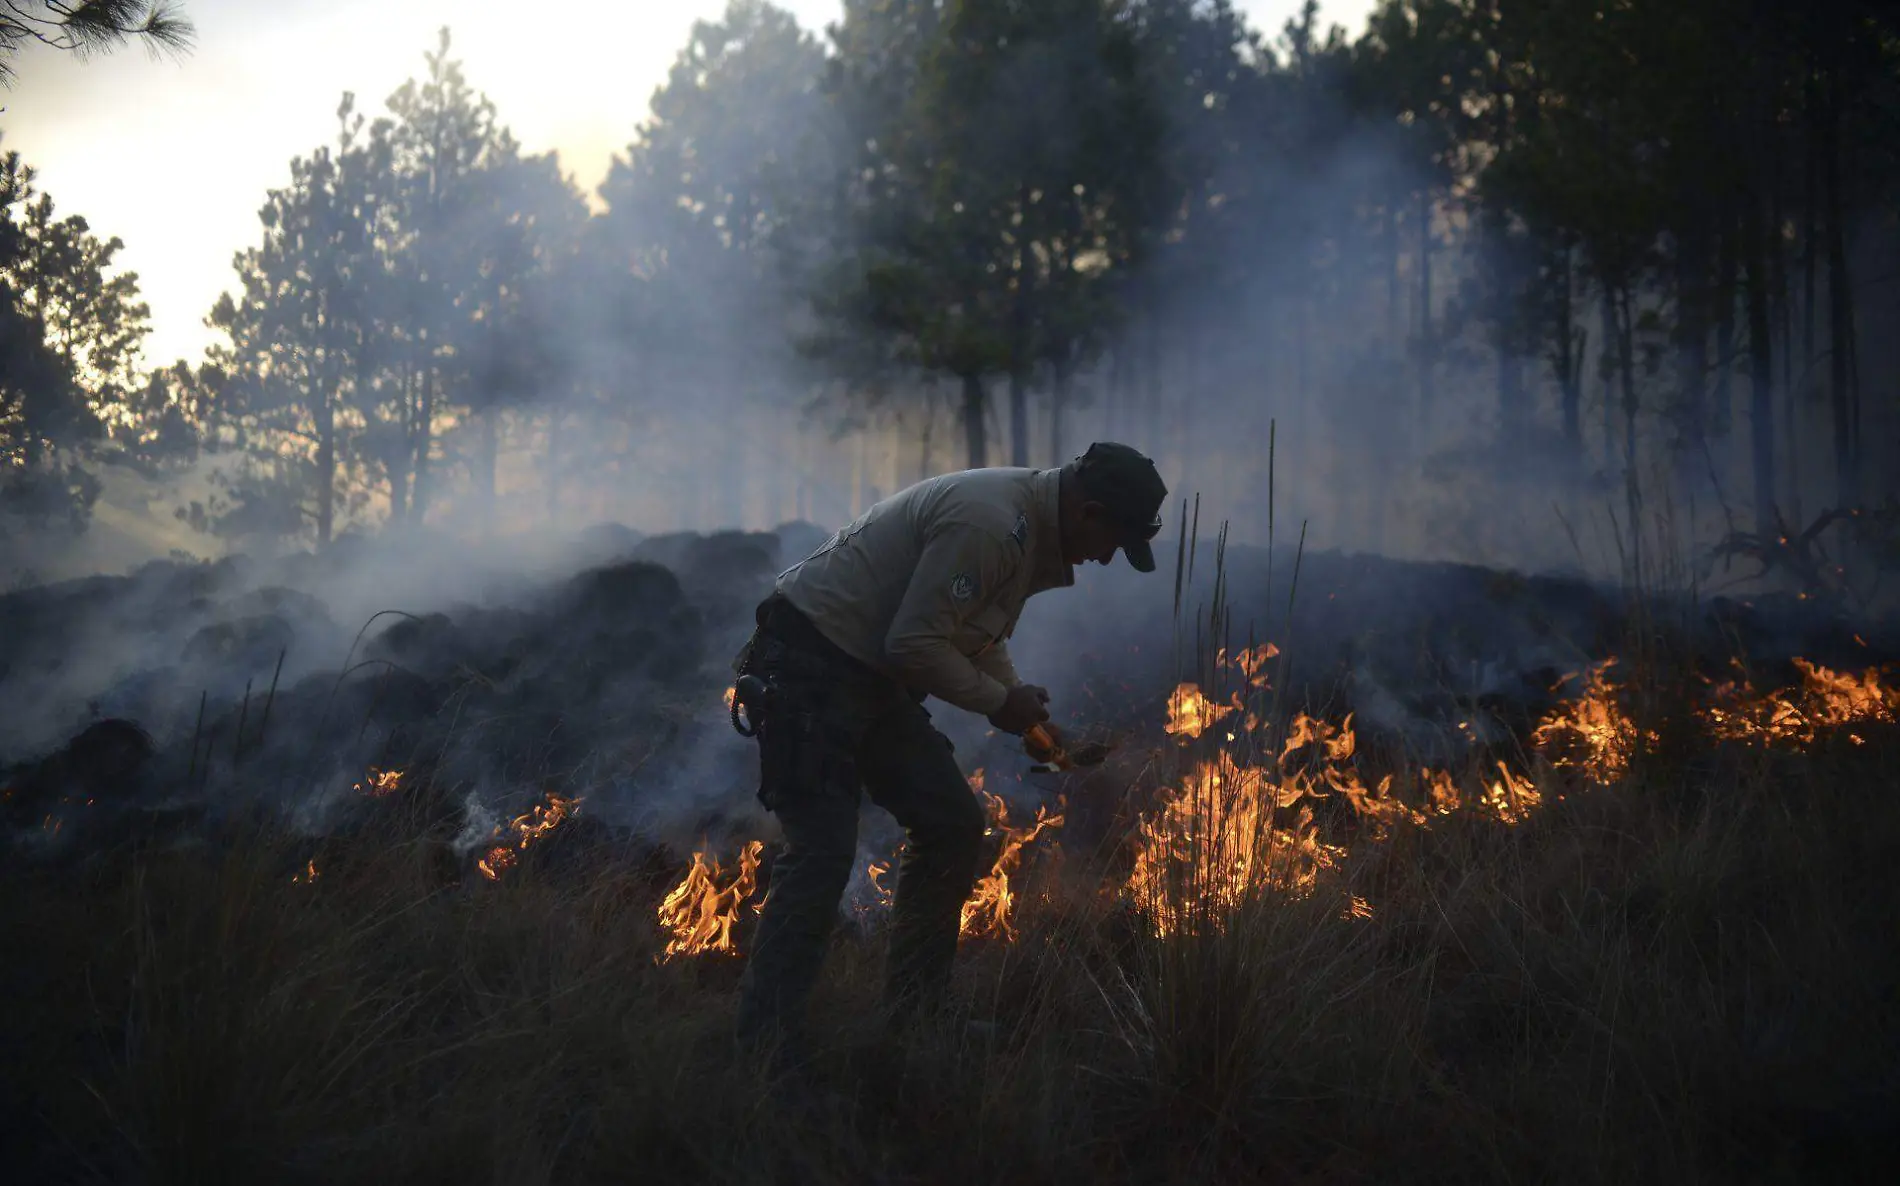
(86, 27)
(1484, 242)
(69, 340)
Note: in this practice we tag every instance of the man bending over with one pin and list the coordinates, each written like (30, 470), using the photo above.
(917, 598)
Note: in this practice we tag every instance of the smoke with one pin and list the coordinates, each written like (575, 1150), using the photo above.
(1308, 365)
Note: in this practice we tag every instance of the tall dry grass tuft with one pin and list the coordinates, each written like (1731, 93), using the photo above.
(1615, 990)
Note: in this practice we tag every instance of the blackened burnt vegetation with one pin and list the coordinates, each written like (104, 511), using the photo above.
(259, 692)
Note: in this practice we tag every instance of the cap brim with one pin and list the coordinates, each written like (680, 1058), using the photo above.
(1141, 556)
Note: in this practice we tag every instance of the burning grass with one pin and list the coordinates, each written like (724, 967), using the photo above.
(1289, 965)
(524, 831)
(698, 915)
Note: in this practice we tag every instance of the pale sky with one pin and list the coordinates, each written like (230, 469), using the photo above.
(174, 155)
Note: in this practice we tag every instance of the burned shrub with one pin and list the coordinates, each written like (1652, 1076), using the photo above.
(107, 760)
(108, 755)
(637, 589)
(292, 605)
(607, 543)
(612, 623)
(429, 644)
(242, 644)
(796, 541)
(724, 574)
(730, 560)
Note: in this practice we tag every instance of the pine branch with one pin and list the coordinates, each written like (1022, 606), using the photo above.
(88, 27)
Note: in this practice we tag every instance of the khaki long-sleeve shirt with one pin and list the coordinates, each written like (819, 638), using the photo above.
(927, 585)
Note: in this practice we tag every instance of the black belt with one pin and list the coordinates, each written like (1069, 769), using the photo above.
(778, 617)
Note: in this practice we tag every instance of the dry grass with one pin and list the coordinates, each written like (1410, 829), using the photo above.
(1687, 978)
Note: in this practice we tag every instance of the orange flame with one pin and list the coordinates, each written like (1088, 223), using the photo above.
(308, 875)
(1230, 832)
(1594, 734)
(528, 828)
(1444, 793)
(986, 913)
(1251, 662)
(876, 872)
(1512, 798)
(381, 783)
(1338, 741)
(1213, 846)
(1827, 699)
(700, 912)
(1190, 713)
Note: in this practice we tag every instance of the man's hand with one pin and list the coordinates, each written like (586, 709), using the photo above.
(1043, 742)
(1022, 707)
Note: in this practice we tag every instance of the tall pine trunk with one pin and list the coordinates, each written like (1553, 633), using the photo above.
(1018, 418)
(1626, 368)
(326, 462)
(1427, 349)
(1569, 355)
(1840, 309)
(424, 433)
(1022, 362)
(1394, 305)
(1692, 336)
(973, 407)
(1761, 368)
(1727, 291)
(397, 451)
(490, 447)
(929, 431)
(1152, 396)
(1058, 401)
(1781, 334)
(556, 420)
(1510, 393)
(1606, 375)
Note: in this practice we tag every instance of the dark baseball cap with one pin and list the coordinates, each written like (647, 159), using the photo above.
(1125, 482)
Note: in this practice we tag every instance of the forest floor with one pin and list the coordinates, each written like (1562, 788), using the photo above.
(1659, 947)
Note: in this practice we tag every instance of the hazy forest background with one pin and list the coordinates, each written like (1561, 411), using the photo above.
(1482, 272)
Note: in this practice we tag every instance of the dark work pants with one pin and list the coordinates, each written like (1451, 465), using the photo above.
(836, 730)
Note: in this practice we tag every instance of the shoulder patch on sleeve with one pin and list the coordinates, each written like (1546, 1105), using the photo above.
(963, 587)
(1020, 532)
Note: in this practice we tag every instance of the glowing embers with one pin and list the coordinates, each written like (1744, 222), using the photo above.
(380, 784)
(698, 915)
(527, 829)
(1511, 797)
(1826, 699)
(1593, 734)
